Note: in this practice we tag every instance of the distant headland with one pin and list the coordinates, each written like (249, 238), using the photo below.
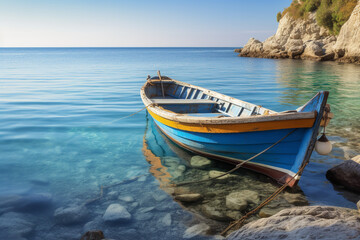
(313, 29)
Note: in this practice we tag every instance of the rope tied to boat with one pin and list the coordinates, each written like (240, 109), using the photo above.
(130, 115)
(239, 223)
(238, 165)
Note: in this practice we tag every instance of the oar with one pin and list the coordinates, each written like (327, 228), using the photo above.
(162, 87)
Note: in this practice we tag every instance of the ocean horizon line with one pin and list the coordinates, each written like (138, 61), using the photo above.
(111, 47)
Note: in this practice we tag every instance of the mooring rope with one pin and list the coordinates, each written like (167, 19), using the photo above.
(238, 223)
(130, 115)
(237, 166)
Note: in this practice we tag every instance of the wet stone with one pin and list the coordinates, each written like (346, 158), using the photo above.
(93, 235)
(358, 206)
(159, 196)
(214, 173)
(112, 195)
(190, 197)
(166, 220)
(116, 212)
(213, 213)
(267, 211)
(70, 215)
(234, 215)
(240, 200)
(15, 225)
(196, 230)
(145, 210)
(143, 216)
(97, 223)
(296, 199)
(200, 162)
(126, 199)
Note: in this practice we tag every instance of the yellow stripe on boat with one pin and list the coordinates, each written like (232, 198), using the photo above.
(236, 128)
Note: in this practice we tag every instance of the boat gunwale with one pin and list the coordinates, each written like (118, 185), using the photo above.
(183, 118)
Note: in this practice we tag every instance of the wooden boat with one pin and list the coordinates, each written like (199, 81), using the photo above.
(221, 127)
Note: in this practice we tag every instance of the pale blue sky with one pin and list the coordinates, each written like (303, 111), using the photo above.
(136, 23)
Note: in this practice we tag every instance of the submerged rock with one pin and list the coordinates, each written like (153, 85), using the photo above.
(93, 235)
(200, 162)
(14, 225)
(196, 230)
(296, 199)
(240, 200)
(213, 212)
(346, 174)
(127, 199)
(116, 212)
(215, 173)
(315, 222)
(70, 215)
(166, 220)
(190, 197)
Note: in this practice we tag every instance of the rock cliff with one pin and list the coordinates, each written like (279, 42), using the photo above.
(305, 39)
(347, 46)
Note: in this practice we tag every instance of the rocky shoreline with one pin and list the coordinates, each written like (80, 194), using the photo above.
(305, 39)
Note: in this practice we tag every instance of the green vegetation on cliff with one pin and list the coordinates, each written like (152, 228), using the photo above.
(331, 14)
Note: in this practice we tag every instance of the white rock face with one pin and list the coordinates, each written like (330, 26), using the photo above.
(315, 222)
(196, 230)
(116, 212)
(348, 42)
(294, 39)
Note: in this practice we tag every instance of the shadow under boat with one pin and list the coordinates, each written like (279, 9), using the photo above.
(165, 157)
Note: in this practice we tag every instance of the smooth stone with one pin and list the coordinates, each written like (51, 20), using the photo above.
(112, 195)
(296, 199)
(196, 230)
(166, 220)
(159, 196)
(15, 225)
(214, 173)
(127, 199)
(70, 215)
(96, 223)
(240, 200)
(143, 216)
(93, 235)
(145, 210)
(200, 162)
(116, 212)
(34, 201)
(213, 213)
(190, 197)
(142, 179)
(268, 212)
(358, 206)
(234, 215)
(346, 174)
(310, 222)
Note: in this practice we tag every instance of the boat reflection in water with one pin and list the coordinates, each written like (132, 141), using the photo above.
(171, 164)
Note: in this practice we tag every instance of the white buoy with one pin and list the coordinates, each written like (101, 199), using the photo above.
(323, 146)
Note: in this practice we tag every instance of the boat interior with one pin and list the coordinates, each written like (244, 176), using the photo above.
(181, 98)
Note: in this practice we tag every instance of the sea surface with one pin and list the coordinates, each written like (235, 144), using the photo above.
(63, 137)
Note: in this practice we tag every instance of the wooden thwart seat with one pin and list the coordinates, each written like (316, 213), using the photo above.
(164, 101)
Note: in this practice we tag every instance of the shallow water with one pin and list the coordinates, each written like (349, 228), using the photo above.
(62, 139)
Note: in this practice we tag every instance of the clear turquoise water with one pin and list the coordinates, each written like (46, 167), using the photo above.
(60, 137)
